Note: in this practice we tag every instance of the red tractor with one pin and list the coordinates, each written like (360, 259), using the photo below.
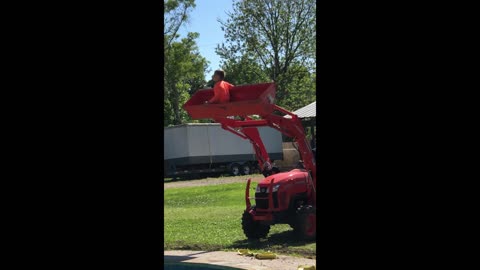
(282, 197)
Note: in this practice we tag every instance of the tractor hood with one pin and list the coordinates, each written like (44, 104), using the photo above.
(293, 177)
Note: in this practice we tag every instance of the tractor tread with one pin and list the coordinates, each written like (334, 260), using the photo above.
(300, 226)
(253, 229)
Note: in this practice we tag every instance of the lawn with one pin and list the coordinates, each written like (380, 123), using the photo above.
(209, 218)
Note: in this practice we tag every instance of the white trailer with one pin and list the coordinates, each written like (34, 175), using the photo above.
(207, 148)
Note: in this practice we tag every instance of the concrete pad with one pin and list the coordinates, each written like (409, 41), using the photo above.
(233, 259)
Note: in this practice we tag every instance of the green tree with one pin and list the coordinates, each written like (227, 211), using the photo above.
(280, 37)
(244, 71)
(184, 67)
(300, 88)
(186, 71)
(175, 14)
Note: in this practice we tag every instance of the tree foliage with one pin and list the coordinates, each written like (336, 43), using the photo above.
(244, 70)
(187, 69)
(175, 13)
(183, 65)
(276, 40)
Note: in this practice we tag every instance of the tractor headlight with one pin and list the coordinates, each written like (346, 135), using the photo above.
(274, 189)
(266, 190)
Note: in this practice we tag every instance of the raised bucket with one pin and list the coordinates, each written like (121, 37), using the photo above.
(244, 100)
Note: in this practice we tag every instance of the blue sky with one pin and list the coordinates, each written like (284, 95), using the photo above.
(203, 20)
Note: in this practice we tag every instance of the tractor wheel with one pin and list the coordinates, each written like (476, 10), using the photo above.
(306, 222)
(235, 169)
(293, 225)
(253, 229)
(245, 169)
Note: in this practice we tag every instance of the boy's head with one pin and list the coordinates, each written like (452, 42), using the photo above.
(218, 75)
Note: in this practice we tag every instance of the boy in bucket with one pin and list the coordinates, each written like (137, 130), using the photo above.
(221, 89)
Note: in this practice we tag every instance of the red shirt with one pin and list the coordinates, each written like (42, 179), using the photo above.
(221, 91)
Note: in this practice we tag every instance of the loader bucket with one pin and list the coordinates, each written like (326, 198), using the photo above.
(244, 100)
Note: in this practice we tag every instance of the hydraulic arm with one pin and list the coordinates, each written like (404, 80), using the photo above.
(256, 99)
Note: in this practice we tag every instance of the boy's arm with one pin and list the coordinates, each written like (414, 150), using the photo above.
(216, 94)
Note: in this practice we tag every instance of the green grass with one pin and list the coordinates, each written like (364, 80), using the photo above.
(209, 218)
(201, 177)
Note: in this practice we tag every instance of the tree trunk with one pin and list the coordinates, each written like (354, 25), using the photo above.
(176, 109)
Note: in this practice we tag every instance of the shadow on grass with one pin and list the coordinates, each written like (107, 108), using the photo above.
(286, 243)
(282, 241)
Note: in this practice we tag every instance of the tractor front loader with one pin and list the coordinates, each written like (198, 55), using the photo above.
(281, 197)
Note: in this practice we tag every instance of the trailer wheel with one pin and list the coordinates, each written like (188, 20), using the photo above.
(235, 169)
(253, 229)
(246, 169)
(306, 222)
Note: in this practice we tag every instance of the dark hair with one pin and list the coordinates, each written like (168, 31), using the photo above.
(220, 73)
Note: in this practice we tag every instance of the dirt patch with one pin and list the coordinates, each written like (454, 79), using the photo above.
(232, 259)
(213, 181)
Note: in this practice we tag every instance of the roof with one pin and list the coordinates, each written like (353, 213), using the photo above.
(308, 111)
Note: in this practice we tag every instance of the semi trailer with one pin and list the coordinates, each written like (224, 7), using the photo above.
(205, 148)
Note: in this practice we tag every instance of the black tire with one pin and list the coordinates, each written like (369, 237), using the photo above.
(246, 169)
(293, 226)
(235, 169)
(253, 229)
(305, 222)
